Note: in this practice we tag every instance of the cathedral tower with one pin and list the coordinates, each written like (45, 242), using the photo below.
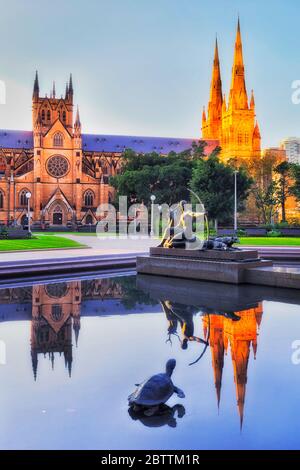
(57, 165)
(233, 124)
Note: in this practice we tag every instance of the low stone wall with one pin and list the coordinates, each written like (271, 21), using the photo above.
(13, 233)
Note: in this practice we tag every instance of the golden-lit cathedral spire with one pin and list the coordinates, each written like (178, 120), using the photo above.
(212, 128)
(216, 96)
(233, 124)
(203, 117)
(252, 100)
(238, 98)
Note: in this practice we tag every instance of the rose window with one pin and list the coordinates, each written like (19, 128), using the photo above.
(57, 290)
(57, 166)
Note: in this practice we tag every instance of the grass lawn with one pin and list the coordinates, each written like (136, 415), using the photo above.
(270, 241)
(39, 242)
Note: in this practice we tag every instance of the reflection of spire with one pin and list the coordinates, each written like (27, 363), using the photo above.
(34, 361)
(68, 360)
(240, 357)
(216, 342)
(258, 314)
(76, 328)
(240, 335)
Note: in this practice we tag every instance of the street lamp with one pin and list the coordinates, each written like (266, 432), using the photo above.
(152, 198)
(235, 201)
(28, 196)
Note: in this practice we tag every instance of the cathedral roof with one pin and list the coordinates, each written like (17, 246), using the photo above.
(16, 139)
(117, 143)
(109, 143)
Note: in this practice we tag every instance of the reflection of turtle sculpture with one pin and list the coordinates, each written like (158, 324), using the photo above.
(155, 391)
(164, 416)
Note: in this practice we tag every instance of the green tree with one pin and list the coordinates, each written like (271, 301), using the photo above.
(213, 182)
(266, 200)
(167, 177)
(295, 188)
(283, 188)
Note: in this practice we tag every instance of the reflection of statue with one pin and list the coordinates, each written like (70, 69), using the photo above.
(180, 235)
(164, 416)
(184, 314)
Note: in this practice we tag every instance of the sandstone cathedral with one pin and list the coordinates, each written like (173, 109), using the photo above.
(67, 172)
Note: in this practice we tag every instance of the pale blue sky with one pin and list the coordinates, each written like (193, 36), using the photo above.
(143, 67)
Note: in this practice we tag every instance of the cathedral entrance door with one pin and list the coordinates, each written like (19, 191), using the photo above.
(57, 216)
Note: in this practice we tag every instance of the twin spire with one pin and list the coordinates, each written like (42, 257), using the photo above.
(238, 99)
(69, 88)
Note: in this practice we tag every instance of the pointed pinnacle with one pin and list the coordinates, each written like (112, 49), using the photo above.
(71, 84)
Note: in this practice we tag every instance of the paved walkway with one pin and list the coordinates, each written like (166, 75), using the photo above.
(95, 247)
(104, 247)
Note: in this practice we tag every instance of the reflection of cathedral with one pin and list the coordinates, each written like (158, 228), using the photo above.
(240, 336)
(55, 310)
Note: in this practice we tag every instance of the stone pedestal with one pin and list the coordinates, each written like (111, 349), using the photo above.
(209, 265)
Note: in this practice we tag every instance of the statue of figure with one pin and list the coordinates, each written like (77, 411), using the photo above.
(182, 236)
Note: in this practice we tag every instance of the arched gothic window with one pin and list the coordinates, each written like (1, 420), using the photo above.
(48, 115)
(64, 116)
(2, 166)
(58, 140)
(1, 200)
(89, 198)
(43, 115)
(23, 198)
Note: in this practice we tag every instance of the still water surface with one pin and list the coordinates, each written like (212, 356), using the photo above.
(74, 350)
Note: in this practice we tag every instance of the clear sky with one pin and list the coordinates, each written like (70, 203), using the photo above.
(143, 67)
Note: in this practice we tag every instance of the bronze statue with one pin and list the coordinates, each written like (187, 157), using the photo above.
(182, 236)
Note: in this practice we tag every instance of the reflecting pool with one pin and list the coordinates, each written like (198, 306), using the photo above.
(71, 352)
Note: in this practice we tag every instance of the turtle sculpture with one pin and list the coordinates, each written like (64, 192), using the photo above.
(155, 391)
